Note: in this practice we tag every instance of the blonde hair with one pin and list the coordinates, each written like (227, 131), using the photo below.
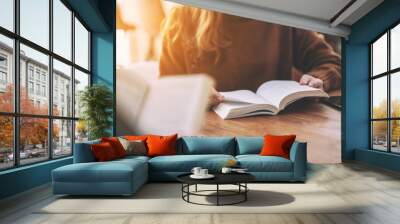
(207, 35)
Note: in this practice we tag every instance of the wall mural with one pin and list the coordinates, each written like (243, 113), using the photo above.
(201, 72)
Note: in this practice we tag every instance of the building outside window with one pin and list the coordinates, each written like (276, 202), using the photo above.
(3, 61)
(55, 97)
(30, 72)
(44, 77)
(30, 87)
(37, 74)
(38, 89)
(43, 90)
(3, 72)
(56, 129)
(3, 78)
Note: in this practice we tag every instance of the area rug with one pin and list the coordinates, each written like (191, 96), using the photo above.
(166, 198)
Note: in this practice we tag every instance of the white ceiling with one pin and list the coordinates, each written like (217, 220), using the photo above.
(319, 9)
(313, 15)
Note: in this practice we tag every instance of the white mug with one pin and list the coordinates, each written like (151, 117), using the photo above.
(226, 170)
(196, 171)
(203, 172)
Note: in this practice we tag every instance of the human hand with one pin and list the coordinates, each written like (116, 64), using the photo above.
(311, 81)
(215, 98)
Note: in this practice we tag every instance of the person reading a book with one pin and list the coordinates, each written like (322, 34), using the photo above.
(241, 53)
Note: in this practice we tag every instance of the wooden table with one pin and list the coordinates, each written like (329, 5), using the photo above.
(312, 121)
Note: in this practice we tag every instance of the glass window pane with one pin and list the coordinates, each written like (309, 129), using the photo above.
(62, 29)
(6, 142)
(81, 81)
(62, 138)
(62, 89)
(35, 21)
(379, 135)
(81, 45)
(395, 136)
(379, 97)
(81, 131)
(395, 47)
(33, 139)
(395, 94)
(379, 56)
(7, 14)
(34, 96)
(6, 74)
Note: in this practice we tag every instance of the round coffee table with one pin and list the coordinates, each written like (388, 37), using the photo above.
(238, 179)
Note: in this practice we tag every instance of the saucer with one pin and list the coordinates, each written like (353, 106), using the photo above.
(208, 176)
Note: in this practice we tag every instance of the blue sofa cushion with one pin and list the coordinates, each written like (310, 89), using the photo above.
(111, 171)
(185, 163)
(83, 153)
(249, 145)
(206, 145)
(128, 159)
(257, 163)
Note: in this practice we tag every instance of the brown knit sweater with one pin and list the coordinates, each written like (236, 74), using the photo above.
(259, 52)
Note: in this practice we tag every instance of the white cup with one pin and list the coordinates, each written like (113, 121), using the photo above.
(196, 171)
(226, 170)
(203, 172)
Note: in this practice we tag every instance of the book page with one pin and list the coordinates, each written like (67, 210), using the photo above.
(224, 109)
(228, 110)
(175, 104)
(242, 96)
(275, 91)
(131, 91)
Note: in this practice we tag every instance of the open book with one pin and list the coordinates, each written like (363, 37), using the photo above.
(270, 98)
(173, 104)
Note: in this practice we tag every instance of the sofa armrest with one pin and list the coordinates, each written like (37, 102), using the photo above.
(83, 152)
(298, 155)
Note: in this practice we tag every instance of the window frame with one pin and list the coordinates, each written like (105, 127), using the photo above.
(388, 74)
(16, 115)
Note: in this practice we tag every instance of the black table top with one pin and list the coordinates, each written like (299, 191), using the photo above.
(220, 178)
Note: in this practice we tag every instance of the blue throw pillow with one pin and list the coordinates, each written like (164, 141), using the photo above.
(207, 145)
(249, 145)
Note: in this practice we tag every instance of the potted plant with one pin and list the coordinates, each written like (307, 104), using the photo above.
(96, 103)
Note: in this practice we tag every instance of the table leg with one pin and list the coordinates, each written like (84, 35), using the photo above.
(195, 188)
(188, 190)
(217, 194)
(182, 188)
(245, 193)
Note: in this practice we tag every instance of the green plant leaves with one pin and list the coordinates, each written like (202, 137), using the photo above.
(96, 102)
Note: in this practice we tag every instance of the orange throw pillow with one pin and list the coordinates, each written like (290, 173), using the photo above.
(277, 145)
(161, 145)
(103, 152)
(116, 145)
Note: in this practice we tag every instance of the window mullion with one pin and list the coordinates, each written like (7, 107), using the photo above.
(73, 81)
(16, 70)
(371, 98)
(389, 101)
(50, 81)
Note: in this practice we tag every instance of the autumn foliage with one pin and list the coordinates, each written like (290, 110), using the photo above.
(33, 131)
(380, 127)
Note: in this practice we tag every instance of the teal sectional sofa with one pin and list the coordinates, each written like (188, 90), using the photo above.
(125, 176)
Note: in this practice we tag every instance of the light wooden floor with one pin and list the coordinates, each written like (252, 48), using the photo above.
(351, 181)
